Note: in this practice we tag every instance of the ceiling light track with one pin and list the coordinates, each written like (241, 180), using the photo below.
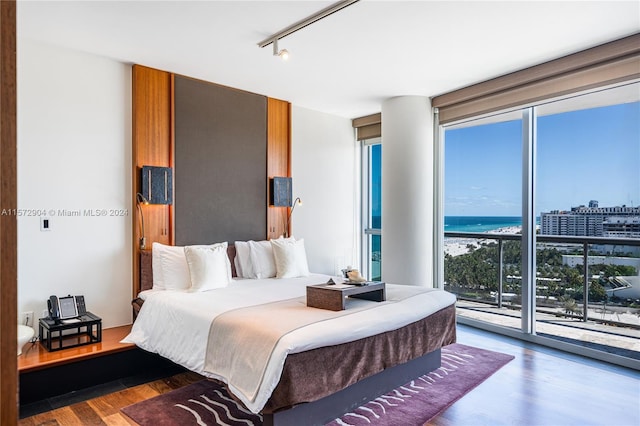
(301, 24)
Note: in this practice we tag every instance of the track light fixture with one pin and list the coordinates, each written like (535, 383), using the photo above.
(284, 53)
(273, 39)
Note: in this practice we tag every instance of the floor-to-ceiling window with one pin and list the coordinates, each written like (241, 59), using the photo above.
(569, 171)
(372, 208)
(483, 194)
(588, 185)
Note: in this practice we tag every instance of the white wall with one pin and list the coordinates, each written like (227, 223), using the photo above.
(74, 154)
(326, 173)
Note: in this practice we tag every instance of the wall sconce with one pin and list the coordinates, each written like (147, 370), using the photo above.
(297, 202)
(280, 192)
(156, 187)
(157, 184)
(140, 199)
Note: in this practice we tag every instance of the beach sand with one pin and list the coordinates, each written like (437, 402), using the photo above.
(458, 246)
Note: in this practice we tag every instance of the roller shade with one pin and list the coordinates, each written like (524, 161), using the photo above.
(602, 65)
(368, 127)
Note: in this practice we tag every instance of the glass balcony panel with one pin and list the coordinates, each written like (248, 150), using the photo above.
(612, 323)
(486, 288)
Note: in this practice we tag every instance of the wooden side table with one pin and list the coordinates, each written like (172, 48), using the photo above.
(333, 296)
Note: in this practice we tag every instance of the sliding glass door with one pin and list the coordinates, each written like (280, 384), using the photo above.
(482, 199)
(542, 224)
(588, 189)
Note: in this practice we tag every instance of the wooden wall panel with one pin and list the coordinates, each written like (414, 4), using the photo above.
(8, 222)
(278, 159)
(152, 146)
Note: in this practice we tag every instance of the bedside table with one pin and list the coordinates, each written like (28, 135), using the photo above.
(88, 329)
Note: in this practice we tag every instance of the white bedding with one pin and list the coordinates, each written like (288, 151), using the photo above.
(176, 324)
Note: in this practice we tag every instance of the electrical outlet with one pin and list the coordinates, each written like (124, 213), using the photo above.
(27, 318)
(45, 313)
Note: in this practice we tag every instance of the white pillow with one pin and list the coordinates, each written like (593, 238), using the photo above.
(244, 268)
(170, 269)
(156, 266)
(290, 257)
(262, 261)
(209, 266)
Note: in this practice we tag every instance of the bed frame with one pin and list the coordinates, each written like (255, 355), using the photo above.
(324, 410)
(306, 395)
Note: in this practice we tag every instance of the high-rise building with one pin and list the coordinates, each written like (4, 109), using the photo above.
(592, 221)
(621, 227)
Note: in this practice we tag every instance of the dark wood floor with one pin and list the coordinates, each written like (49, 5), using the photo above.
(539, 387)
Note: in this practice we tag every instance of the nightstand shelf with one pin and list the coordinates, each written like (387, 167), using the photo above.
(56, 335)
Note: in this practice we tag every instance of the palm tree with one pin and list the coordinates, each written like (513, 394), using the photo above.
(569, 305)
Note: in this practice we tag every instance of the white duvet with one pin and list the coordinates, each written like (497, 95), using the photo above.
(176, 324)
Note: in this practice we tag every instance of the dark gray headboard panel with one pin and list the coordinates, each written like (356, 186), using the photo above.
(220, 163)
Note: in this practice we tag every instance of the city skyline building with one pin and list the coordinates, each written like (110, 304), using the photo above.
(592, 221)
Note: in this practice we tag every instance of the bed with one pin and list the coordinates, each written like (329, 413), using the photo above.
(367, 356)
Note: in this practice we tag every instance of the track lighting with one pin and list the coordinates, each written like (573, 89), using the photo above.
(284, 53)
(273, 39)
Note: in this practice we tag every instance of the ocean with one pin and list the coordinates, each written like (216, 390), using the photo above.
(479, 223)
(463, 224)
(471, 223)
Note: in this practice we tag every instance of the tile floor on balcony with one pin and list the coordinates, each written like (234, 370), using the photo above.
(618, 340)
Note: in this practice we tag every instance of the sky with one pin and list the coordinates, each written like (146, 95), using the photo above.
(584, 155)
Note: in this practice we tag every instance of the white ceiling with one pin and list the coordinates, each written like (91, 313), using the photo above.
(346, 64)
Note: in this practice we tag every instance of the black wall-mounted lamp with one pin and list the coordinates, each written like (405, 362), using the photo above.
(280, 192)
(157, 184)
(156, 188)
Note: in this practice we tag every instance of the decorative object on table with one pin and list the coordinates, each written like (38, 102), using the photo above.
(355, 277)
(415, 403)
(346, 271)
(334, 297)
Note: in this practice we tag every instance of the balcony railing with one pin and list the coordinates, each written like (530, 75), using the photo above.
(583, 241)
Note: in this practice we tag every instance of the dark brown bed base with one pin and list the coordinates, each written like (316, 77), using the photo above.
(394, 358)
(308, 393)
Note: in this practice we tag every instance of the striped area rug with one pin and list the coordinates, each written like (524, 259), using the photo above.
(207, 403)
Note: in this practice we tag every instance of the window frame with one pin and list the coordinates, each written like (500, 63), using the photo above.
(367, 231)
(527, 331)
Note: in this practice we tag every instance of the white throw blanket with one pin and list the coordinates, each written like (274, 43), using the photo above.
(176, 324)
(252, 334)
